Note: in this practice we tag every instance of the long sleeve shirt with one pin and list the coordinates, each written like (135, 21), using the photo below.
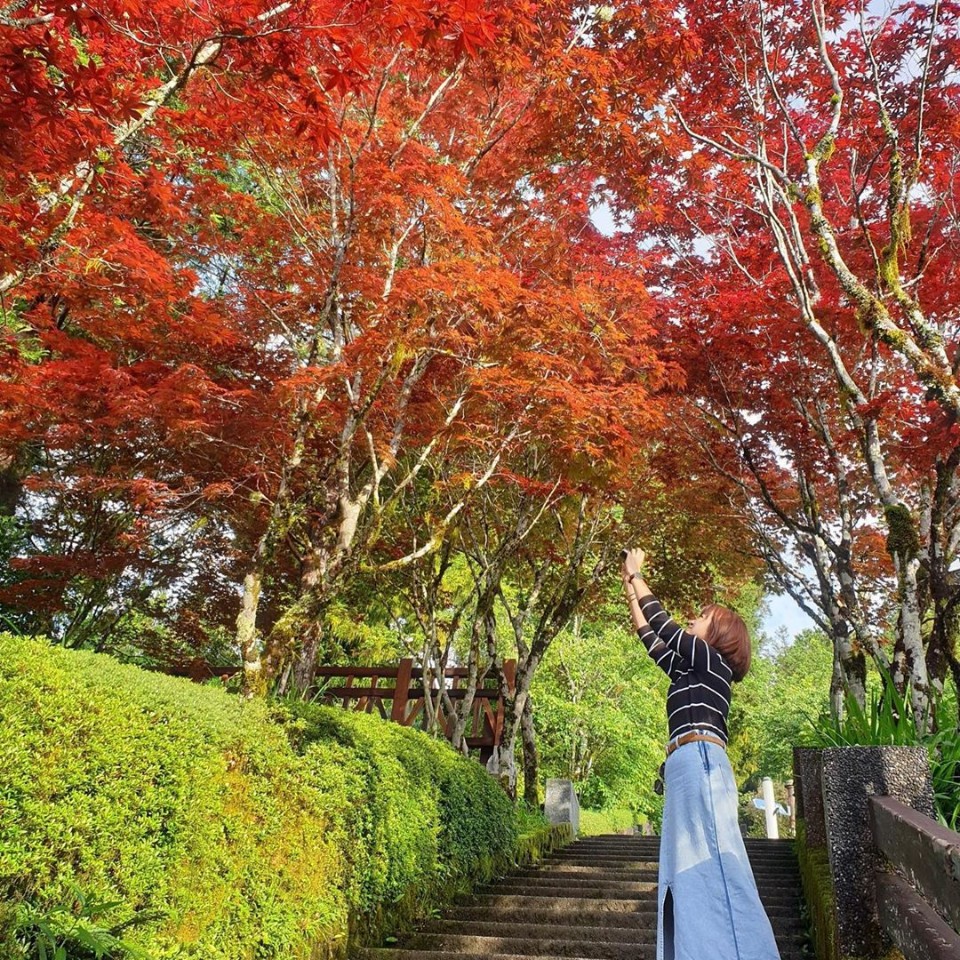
(699, 696)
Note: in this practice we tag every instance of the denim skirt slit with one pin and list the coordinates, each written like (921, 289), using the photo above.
(707, 903)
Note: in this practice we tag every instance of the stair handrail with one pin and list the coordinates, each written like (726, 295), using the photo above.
(918, 897)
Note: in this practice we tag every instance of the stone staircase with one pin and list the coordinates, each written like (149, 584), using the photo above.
(597, 899)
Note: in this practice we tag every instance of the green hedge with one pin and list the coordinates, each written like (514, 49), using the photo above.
(818, 894)
(249, 831)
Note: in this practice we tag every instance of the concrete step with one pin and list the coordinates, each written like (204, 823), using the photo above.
(537, 946)
(560, 886)
(594, 900)
(498, 901)
(617, 919)
(653, 853)
(622, 891)
(615, 839)
(561, 901)
(779, 897)
(592, 869)
(786, 929)
(633, 856)
(561, 882)
(638, 870)
(394, 953)
(388, 953)
(595, 915)
(545, 931)
(623, 871)
(466, 944)
(767, 850)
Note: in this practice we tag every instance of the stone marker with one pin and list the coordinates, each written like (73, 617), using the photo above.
(560, 805)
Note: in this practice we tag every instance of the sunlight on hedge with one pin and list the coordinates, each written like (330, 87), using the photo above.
(248, 830)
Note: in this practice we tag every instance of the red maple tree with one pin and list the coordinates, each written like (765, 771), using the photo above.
(807, 247)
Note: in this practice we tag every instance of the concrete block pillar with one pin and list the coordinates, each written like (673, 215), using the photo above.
(809, 792)
(850, 775)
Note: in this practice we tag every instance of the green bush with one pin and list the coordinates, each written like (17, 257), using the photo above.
(419, 809)
(216, 828)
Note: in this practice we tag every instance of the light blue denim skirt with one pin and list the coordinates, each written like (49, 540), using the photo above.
(707, 905)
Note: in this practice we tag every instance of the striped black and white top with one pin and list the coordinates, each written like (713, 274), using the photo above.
(699, 697)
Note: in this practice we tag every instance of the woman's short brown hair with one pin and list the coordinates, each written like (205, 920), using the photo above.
(727, 634)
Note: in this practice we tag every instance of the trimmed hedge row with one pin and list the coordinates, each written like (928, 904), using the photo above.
(246, 830)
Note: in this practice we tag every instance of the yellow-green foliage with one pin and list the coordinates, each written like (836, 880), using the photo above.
(412, 809)
(253, 834)
(597, 822)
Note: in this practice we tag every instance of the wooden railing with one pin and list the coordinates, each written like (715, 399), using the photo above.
(918, 903)
(405, 693)
(396, 694)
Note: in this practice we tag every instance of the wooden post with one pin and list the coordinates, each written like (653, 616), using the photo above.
(402, 693)
(510, 672)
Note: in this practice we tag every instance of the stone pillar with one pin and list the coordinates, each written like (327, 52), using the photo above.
(560, 804)
(809, 791)
(850, 775)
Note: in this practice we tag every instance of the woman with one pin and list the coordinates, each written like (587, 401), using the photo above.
(707, 905)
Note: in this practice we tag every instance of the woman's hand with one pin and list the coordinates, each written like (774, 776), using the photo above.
(632, 563)
(630, 566)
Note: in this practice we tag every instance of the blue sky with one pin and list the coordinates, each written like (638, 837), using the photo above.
(783, 612)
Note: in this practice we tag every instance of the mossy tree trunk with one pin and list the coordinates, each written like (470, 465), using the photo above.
(531, 771)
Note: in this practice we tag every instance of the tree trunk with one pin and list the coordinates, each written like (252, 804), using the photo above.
(11, 485)
(530, 760)
(304, 670)
(303, 629)
(852, 665)
(431, 707)
(836, 686)
(503, 762)
(911, 667)
(484, 625)
(254, 681)
(514, 706)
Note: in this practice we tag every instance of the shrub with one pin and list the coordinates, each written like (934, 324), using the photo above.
(417, 807)
(217, 828)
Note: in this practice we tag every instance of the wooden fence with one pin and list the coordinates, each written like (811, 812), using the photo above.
(919, 900)
(397, 694)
